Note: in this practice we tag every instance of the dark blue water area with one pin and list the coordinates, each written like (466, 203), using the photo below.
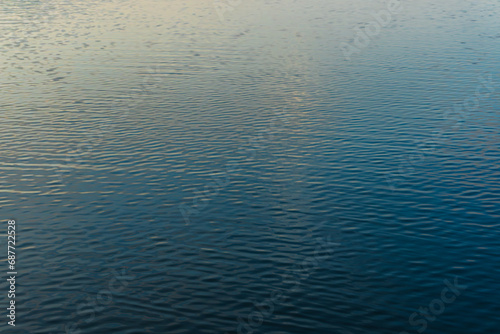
(187, 167)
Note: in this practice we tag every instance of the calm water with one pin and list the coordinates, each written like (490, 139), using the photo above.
(222, 167)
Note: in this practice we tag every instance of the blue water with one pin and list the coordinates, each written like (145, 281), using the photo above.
(224, 167)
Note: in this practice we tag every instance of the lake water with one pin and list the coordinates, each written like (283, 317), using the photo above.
(277, 167)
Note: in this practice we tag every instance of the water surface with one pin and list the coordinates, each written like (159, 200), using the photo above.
(172, 166)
